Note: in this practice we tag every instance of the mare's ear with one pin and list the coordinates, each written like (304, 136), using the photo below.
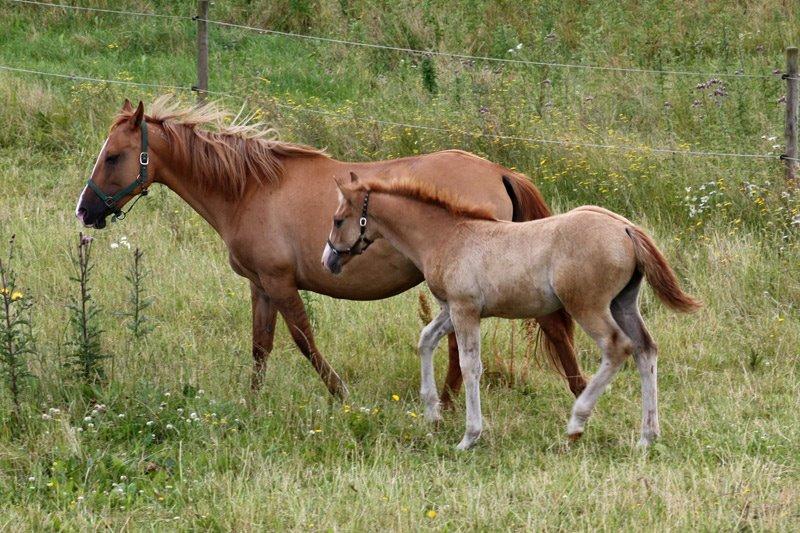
(353, 177)
(138, 115)
(339, 184)
(127, 107)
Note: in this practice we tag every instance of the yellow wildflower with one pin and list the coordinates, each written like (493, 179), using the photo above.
(395, 398)
(16, 295)
(431, 514)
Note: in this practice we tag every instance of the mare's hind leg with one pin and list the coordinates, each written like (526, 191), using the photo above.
(558, 331)
(625, 310)
(428, 340)
(453, 380)
(615, 346)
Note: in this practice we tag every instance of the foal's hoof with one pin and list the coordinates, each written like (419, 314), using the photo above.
(469, 440)
(574, 437)
(645, 442)
(433, 416)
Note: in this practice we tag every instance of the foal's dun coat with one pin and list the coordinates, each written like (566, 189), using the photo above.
(270, 201)
(588, 261)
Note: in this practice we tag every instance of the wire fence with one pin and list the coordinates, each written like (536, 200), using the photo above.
(317, 111)
(415, 51)
(392, 123)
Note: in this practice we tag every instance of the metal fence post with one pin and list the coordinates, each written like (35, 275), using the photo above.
(202, 50)
(792, 84)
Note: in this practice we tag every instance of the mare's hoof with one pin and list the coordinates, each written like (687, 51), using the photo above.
(340, 391)
(573, 437)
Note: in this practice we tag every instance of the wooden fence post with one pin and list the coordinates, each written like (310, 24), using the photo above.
(202, 50)
(792, 84)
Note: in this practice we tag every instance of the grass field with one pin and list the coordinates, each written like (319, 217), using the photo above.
(178, 442)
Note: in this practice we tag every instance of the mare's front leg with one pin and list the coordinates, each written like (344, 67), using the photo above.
(287, 301)
(428, 340)
(264, 317)
(467, 324)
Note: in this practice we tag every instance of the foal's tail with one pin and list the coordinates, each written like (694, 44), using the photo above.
(659, 275)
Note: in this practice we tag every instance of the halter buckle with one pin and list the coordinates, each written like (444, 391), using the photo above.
(362, 222)
(144, 159)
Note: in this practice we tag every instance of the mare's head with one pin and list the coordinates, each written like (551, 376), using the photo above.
(351, 233)
(117, 175)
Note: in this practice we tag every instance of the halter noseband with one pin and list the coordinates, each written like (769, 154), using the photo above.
(111, 201)
(354, 248)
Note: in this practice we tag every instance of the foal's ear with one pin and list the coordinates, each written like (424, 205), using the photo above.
(138, 115)
(353, 177)
(127, 107)
(339, 184)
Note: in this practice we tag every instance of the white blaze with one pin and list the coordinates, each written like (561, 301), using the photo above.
(94, 168)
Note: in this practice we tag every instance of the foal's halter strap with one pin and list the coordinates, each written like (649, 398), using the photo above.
(111, 201)
(354, 248)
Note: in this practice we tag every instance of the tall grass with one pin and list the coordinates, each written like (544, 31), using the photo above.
(171, 442)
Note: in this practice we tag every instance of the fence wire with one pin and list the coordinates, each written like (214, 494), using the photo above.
(415, 51)
(392, 123)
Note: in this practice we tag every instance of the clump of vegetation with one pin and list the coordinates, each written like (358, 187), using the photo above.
(428, 70)
(86, 352)
(16, 340)
(138, 322)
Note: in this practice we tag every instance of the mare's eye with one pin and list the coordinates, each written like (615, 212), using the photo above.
(111, 159)
(337, 222)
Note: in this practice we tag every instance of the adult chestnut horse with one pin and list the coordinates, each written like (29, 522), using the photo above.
(271, 202)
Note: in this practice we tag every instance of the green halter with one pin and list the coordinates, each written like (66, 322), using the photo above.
(111, 201)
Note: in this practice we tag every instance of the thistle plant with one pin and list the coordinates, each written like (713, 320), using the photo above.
(86, 354)
(16, 340)
(138, 322)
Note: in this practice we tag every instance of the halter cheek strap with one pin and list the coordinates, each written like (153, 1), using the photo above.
(354, 248)
(112, 200)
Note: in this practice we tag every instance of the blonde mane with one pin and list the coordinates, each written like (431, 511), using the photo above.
(230, 154)
(429, 194)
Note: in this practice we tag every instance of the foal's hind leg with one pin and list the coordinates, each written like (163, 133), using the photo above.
(428, 340)
(625, 310)
(616, 346)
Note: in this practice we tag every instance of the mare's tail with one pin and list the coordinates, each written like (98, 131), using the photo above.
(529, 204)
(525, 197)
(659, 275)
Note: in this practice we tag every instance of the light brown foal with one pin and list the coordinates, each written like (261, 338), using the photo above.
(588, 261)
(270, 202)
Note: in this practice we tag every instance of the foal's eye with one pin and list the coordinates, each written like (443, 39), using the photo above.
(337, 222)
(111, 159)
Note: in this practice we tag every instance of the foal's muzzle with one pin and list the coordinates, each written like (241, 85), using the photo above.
(332, 260)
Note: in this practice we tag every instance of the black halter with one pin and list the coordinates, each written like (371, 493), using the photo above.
(355, 249)
(112, 200)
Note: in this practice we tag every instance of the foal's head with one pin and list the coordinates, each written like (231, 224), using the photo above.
(117, 174)
(351, 233)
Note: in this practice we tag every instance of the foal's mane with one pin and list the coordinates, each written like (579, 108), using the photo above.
(429, 194)
(230, 154)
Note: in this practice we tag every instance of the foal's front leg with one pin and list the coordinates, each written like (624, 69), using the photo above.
(467, 324)
(428, 340)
